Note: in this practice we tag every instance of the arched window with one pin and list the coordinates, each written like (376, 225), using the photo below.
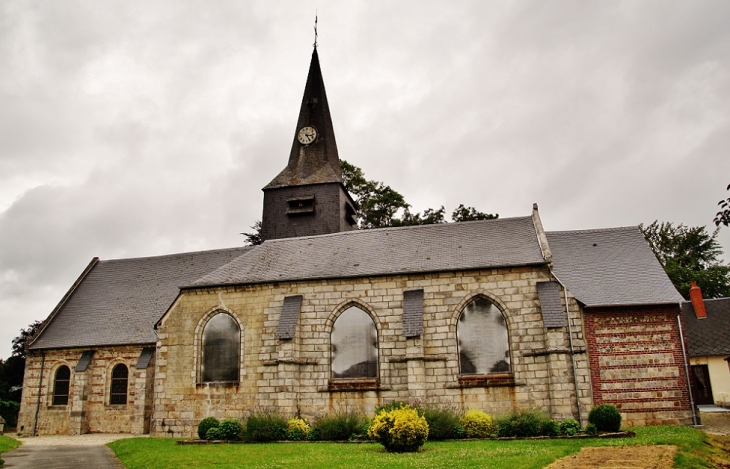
(483, 339)
(118, 390)
(61, 384)
(354, 345)
(221, 349)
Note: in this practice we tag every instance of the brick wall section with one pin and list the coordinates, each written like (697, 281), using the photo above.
(88, 409)
(637, 364)
(294, 375)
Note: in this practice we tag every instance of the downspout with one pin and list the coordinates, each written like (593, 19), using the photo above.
(40, 384)
(686, 371)
(548, 255)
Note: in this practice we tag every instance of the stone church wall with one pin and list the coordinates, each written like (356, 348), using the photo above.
(88, 409)
(637, 364)
(293, 376)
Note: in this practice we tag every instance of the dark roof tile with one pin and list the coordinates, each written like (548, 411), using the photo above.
(709, 336)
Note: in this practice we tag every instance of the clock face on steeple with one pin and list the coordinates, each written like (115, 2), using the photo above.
(307, 135)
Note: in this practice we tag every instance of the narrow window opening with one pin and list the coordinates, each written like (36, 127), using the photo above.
(61, 385)
(118, 392)
(300, 205)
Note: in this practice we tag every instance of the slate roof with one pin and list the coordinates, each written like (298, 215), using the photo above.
(709, 336)
(119, 301)
(609, 267)
(415, 249)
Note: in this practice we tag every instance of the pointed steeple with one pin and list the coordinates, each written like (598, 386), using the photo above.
(314, 162)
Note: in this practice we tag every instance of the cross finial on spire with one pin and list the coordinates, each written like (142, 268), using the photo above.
(315, 30)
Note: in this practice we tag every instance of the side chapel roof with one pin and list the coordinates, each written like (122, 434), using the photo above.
(709, 336)
(610, 267)
(118, 301)
(502, 242)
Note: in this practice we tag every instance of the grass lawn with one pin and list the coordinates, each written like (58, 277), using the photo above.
(6, 444)
(153, 453)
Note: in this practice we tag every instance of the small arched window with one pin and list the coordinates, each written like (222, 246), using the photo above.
(483, 339)
(61, 385)
(118, 390)
(354, 345)
(221, 349)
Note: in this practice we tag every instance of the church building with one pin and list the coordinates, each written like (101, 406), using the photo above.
(498, 315)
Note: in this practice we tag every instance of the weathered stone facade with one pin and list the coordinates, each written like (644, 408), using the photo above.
(637, 364)
(88, 409)
(293, 376)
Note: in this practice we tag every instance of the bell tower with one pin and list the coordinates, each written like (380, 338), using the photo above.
(308, 198)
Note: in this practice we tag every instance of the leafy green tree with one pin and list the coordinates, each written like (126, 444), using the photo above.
(723, 216)
(12, 369)
(462, 213)
(254, 238)
(689, 253)
(381, 205)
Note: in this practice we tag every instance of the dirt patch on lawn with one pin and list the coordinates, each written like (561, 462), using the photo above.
(622, 457)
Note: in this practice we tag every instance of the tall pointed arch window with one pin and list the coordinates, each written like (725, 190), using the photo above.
(221, 349)
(61, 385)
(354, 345)
(483, 339)
(118, 389)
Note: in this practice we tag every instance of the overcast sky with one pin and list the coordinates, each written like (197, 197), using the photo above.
(140, 128)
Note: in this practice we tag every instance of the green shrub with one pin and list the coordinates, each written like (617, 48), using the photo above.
(476, 424)
(524, 423)
(340, 425)
(569, 427)
(390, 406)
(297, 429)
(205, 425)
(605, 417)
(550, 428)
(213, 433)
(230, 430)
(9, 412)
(591, 429)
(314, 434)
(443, 423)
(399, 430)
(264, 426)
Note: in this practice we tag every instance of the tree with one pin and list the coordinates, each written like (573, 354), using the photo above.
(723, 216)
(254, 239)
(380, 205)
(462, 213)
(687, 254)
(21, 342)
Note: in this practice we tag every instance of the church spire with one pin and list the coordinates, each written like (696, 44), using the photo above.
(313, 158)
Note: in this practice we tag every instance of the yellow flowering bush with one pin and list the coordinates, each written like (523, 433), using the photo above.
(477, 424)
(297, 429)
(400, 429)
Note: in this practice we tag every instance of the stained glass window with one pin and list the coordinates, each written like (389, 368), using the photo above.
(483, 339)
(354, 345)
(118, 392)
(221, 349)
(61, 385)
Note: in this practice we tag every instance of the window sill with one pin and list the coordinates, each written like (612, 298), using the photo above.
(354, 385)
(116, 406)
(218, 384)
(57, 407)
(486, 381)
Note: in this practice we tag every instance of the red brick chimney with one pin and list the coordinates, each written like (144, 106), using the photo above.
(695, 294)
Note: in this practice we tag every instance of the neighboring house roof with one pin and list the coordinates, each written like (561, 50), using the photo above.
(119, 301)
(711, 335)
(502, 242)
(610, 267)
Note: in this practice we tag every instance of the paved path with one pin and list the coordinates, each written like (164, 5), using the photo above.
(62, 452)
